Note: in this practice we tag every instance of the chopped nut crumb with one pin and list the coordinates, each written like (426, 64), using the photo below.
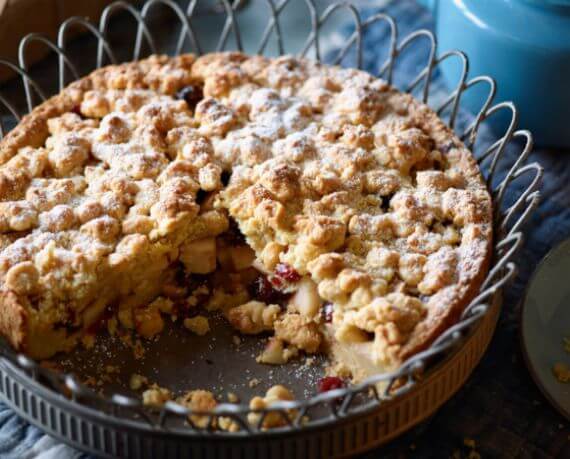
(137, 381)
(198, 400)
(275, 353)
(191, 301)
(272, 419)
(156, 396)
(228, 424)
(254, 382)
(198, 325)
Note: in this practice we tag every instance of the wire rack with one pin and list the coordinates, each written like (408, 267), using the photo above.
(67, 394)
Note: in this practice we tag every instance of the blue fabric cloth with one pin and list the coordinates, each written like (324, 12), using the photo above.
(550, 224)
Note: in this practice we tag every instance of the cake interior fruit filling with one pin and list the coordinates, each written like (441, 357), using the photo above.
(221, 274)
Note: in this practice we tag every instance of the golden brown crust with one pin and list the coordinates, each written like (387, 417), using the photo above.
(439, 320)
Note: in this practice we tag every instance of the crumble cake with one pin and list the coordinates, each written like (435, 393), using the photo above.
(313, 203)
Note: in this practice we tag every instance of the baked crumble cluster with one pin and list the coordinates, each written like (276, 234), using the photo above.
(314, 204)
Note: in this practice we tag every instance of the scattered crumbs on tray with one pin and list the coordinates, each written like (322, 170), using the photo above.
(137, 381)
(254, 382)
(120, 363)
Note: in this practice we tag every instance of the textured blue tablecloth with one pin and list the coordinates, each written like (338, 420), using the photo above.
(499, 407)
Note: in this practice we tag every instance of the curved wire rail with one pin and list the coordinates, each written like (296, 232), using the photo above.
(508, 219)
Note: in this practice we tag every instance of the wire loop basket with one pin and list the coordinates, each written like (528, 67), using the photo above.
(119, 425)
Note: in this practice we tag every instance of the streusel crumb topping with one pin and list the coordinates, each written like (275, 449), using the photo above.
(375, 209)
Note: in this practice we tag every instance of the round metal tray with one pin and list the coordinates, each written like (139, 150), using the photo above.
(334, 424)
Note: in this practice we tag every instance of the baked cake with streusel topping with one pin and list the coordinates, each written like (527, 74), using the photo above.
(314, 203)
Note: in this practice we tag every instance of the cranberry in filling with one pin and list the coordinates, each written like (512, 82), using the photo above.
(330, 383)
(285, 273)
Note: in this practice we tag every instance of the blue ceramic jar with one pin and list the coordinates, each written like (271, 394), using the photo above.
(525, 46)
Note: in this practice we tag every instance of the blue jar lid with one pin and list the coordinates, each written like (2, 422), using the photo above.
(534, 24)
(549, 3)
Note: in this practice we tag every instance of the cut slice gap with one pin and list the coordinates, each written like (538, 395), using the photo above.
(217, 362)
(213, 276)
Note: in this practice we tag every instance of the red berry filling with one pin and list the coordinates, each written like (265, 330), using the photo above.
(287, 273)
(330, 383)
(277, 282)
